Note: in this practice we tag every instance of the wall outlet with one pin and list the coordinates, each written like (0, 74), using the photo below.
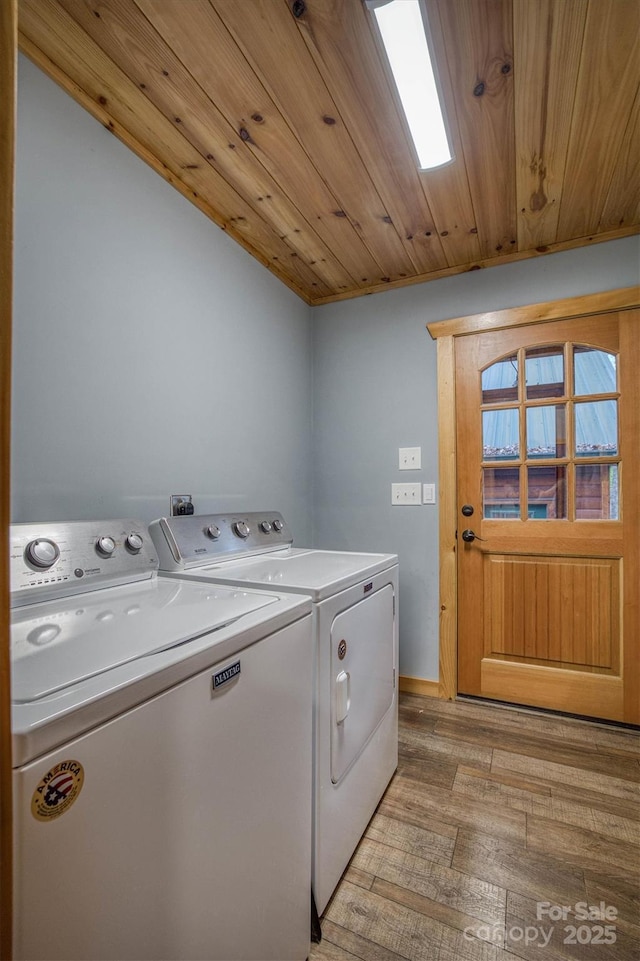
(428, 493)
(409, 458)
(406, 493)
(181, 505)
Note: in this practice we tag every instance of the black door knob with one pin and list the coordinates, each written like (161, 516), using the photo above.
(468, 536)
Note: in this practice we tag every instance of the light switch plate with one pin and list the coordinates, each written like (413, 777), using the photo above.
(406, 494)
(428, 493)
(409, 458)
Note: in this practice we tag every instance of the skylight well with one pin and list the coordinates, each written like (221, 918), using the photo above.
(403, 34)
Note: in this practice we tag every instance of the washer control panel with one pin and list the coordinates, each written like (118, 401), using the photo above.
(53, 559)
(199, 539)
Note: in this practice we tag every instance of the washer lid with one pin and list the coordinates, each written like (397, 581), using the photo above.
(317, 573)
(57, 644)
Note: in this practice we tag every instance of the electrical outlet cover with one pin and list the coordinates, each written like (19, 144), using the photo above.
(178, 504)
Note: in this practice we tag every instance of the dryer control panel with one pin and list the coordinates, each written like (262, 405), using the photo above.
(71, 557)
(187, 542)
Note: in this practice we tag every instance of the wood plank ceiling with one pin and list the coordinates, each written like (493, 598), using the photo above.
(279, 120)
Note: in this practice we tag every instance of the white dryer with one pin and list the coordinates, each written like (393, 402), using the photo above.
(162, 779)
(355, 623)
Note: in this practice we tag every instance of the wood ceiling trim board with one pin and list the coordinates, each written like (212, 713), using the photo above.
(57, 45)
(626, 231)
(8, 85)
(338, 36)
(623, 200)
(607, 84)
(447, 188)
(316, 121)
(201, 39)
(547, 43)
(478, 37)
(127, 37)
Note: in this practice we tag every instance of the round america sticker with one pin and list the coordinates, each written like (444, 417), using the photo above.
(57, 790)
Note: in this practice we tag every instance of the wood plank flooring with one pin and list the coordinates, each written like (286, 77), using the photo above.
(496, 823)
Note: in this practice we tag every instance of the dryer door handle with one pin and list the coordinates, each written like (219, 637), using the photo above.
(343, 698)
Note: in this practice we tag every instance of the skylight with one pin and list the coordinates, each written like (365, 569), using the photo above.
(403, 35)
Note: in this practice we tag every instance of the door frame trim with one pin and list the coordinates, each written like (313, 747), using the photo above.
(8, 85)
(444, 333)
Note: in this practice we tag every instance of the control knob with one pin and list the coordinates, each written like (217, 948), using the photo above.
(134, 542)
(213, 531)
(265, 526)
(241, 529)
(278, 525)
(42, 552)
(105, 546)
(43, 634)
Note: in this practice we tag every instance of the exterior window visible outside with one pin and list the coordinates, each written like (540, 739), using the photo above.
(555, 428)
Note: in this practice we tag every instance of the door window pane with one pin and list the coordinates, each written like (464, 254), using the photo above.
(547, 493)
(501, 434)
(501, 492)
(500, 381)
(594, 371)
(597, 492)
(597, 429)
(544, 372)
(546, 431)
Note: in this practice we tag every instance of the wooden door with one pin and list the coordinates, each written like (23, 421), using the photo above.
(8, 55)
(548, 467)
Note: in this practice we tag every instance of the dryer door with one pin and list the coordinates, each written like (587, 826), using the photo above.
(362, 676)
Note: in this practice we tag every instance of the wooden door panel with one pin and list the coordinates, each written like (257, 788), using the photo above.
(547, 604)
(563, 612)
(575, 692)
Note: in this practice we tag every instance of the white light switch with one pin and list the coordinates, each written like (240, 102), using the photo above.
(428, 493)
(409, 458)
(406, 493)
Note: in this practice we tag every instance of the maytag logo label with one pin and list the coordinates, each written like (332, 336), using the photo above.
(368, 587)
(223, 677)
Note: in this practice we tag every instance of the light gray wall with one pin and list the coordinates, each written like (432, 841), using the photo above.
(375, 391)
(152, 355)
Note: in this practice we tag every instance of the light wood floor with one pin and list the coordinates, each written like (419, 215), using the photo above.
(495, 816)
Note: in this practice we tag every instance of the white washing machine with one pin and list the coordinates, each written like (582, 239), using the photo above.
(162, 778)
(355, 622)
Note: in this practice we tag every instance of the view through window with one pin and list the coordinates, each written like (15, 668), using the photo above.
(550, 435)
